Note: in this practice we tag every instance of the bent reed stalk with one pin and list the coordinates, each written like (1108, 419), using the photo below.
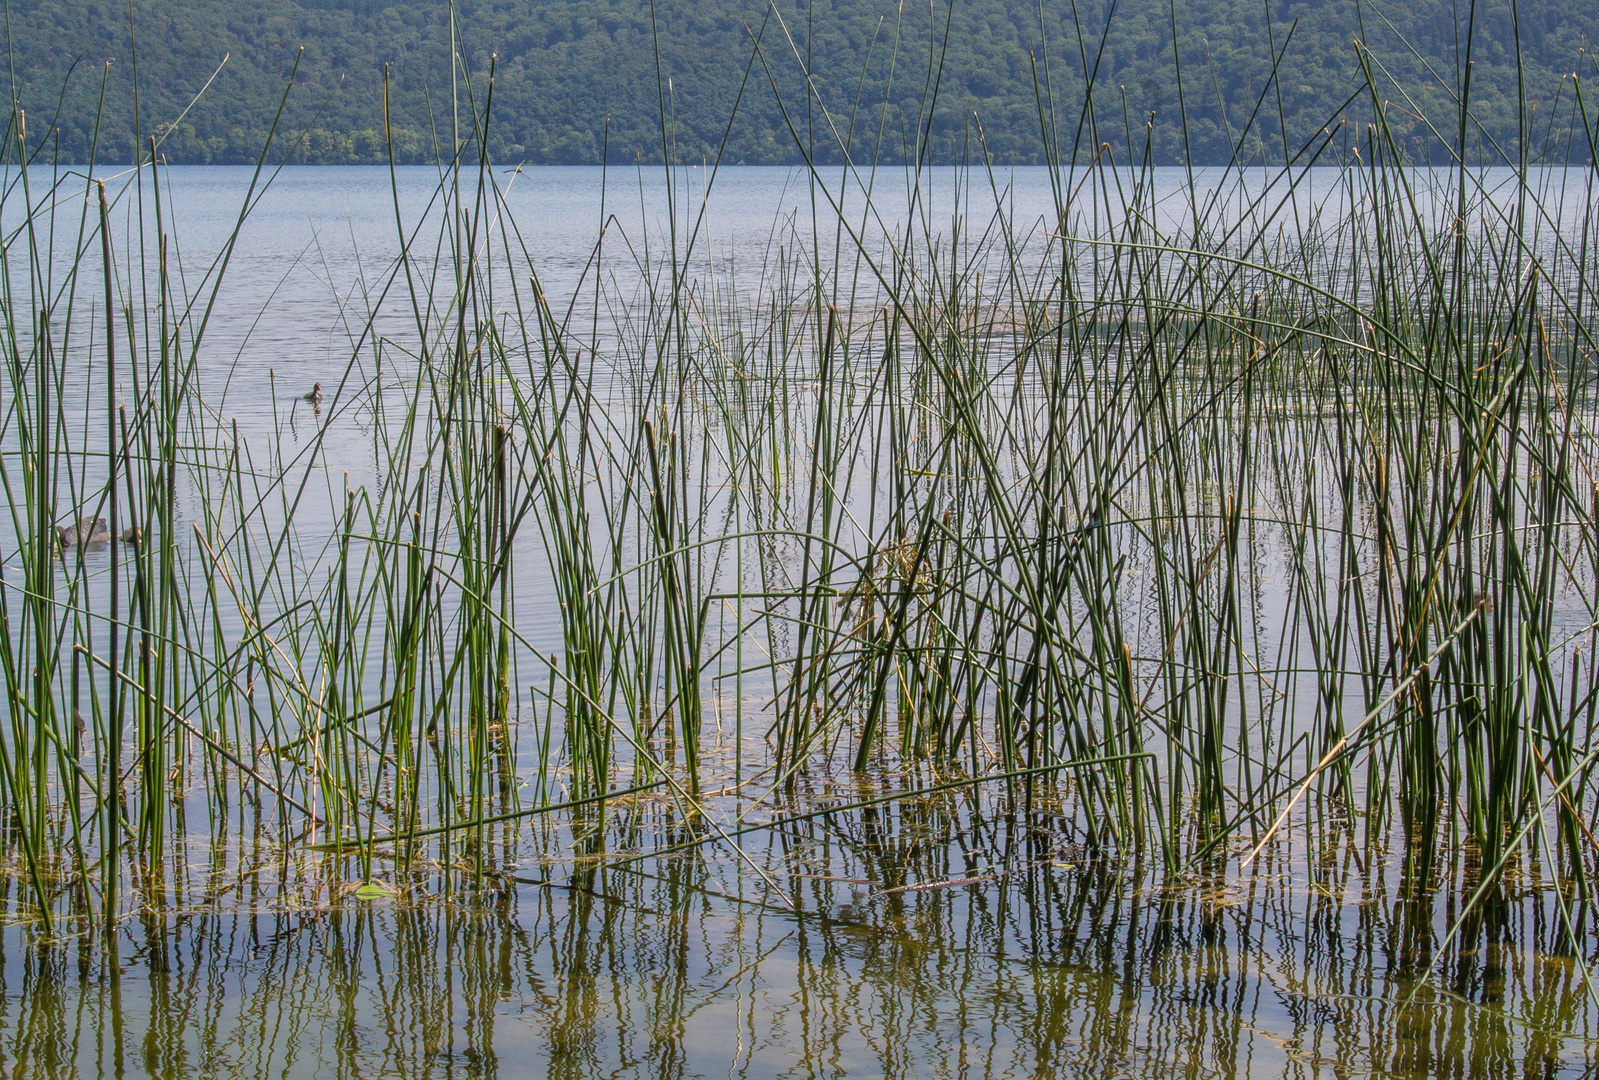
(1289, 490)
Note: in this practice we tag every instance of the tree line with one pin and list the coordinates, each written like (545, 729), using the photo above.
(749, 82)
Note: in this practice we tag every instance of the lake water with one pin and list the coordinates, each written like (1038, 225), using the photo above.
(313, 275)
(1041, 965)
(968, 933)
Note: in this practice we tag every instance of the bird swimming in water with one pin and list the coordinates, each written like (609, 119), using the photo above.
(93, 531)
(314, 395)
(89, 530)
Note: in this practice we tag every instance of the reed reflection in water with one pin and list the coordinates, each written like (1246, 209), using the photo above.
(916, 950)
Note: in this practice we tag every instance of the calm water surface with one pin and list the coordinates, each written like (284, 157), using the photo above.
(956, 935)
(1009, 955)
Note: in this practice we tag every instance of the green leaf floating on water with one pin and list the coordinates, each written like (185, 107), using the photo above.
(373, 890)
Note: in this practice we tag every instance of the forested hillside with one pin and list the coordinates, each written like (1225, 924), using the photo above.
(948, 80)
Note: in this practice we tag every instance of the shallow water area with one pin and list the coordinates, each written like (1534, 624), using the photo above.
(765, 667)
(945, 936)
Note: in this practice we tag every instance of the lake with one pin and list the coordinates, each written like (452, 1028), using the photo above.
(942, 625)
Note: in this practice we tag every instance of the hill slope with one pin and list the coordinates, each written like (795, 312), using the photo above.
(564, 68)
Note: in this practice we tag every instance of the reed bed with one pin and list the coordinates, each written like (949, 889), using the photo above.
(1270, 514)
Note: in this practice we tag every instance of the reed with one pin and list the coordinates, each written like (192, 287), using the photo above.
(1273, 509)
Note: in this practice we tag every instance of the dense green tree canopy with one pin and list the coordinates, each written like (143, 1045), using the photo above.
(577, 78)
